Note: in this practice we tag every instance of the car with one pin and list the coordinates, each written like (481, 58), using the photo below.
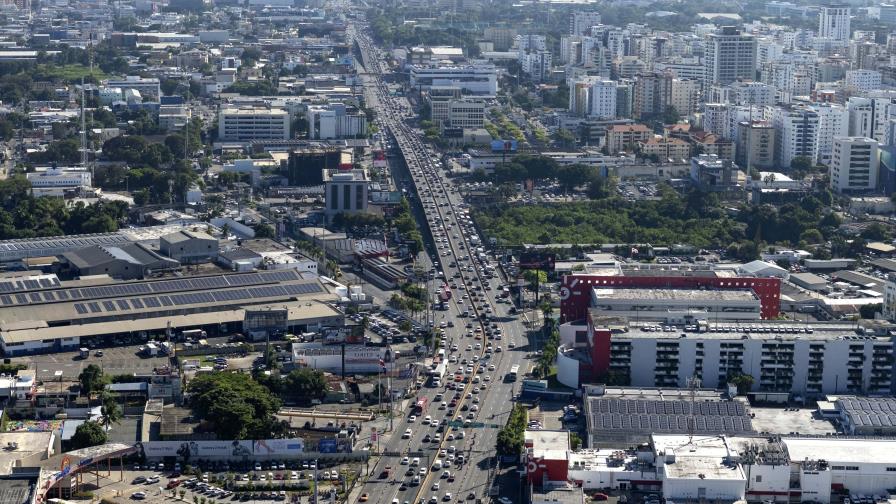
(435, 486)
(599, 497)
(471, 496)
(422, 471)
(447, 497)
(364, 497)
(504, 500)
(407, 434)
(152, 480)
(405, 461)
(139, 480)
(138, 495)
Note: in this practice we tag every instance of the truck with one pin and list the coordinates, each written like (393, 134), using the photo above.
(193, 334)
(84, 353)
(420, 406)
(150, 350)
(387, 473)
(444, 293)
(437, 374)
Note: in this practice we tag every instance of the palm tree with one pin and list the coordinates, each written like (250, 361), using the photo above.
(195, 499)
(182, 493)
(110, 411)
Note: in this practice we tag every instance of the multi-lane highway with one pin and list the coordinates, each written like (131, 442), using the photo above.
(481, 339)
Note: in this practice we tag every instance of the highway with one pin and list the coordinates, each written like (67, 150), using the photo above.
(478, 367)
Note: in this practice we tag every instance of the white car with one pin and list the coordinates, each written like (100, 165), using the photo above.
(407, 434)
(412, 418)
(405, 461)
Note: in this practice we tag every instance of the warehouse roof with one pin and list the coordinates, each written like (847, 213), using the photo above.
(649, 416)
(868, 411)
(132, 253)
(859, 451)
(743, 295)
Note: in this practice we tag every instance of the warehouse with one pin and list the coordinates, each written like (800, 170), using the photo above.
(867, 416)
(129, 261)
(43, 319)
(686, 304)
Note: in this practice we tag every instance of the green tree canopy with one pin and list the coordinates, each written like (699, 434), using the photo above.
(88, 434)
(91, 379)
(235, 404)
(306, 383)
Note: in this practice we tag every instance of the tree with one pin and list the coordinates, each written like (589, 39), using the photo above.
(307, 384)
(91, 379)
(264, 231)
(238, 406)
(110, 411)
(564, 138)
(88, 434)
(801, 164)
(742, 381)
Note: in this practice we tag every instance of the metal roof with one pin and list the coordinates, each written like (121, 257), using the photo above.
(667, 416)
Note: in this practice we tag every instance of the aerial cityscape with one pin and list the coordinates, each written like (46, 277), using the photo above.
(433, 251)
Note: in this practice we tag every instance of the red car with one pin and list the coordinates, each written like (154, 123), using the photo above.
(172, 484)
(599, 497)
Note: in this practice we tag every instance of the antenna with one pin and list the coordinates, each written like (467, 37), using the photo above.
(693, 385)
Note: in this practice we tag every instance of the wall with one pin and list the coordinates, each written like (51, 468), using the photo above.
(716, 489)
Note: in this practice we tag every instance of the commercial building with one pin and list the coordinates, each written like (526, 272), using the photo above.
(148, 87)
(189, 246)
(576, 289)
(450, 110)
(345, 191)
(335, 120)
(51, 318)
(711, 173)
(253, 123)
(854, 164)
(342, 359)
(784, 358)
(478, 79)
(833, 23)
(602, 96)
(123, 262)
(730, 55)
(59, 180)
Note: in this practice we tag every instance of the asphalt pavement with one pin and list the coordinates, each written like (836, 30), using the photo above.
(453, 241)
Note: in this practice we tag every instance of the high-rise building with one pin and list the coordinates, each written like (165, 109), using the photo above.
(730, 55)
(854, 164)
(580, 22)
(685, 95)
(833, 120)
(602, 99)
(653, 92)
(796, 134)
(345, 191)
(755, 145)
(833, 23)
(862, 80)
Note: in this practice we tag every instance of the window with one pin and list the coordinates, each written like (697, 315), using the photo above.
(891, 469)
(837, 468)
(852, 468)
(758, 478)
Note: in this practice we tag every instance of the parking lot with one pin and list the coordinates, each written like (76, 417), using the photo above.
(113, 361)
(239, 484)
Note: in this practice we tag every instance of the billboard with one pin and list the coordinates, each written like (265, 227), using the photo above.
(537, 260)
(503, 145)
(230, 450)
(264, 321)
(326, 446)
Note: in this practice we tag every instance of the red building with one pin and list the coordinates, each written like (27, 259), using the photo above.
(547, 457)
(575, 289)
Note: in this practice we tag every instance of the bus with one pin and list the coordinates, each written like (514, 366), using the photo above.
(437, 374)
(420, 406)
(514, 371)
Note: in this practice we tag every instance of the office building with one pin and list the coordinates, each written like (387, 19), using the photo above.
(253, 123)
(833, 23)
(335, 120)
(854, 164)
(730, 55)
(796, 131)
(478, 79)
(345, 191)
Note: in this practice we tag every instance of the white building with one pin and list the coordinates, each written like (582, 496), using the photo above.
(602, 99)
(833, 122)
(580, 22)
(148, 87)
(862, 80)
(537, 65)
(854, 164)
(796, 131)
(833, 23)
(345, 191)
(685, 95)
(253, 123)
(55, 181)
(730, 55)
(806, 360)
(478, 79)
(752, 93)
(358, 358)
(334, 120)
